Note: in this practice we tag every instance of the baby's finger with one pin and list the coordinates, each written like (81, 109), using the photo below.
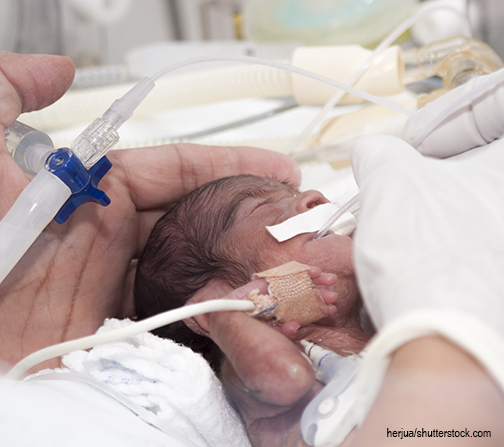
(322, 279)
(325, 279)
(328, 296)
(290, 328)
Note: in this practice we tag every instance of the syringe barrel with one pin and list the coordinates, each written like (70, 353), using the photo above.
(28, 146)
(31, 213)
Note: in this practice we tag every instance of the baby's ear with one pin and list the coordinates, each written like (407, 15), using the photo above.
(215, 289)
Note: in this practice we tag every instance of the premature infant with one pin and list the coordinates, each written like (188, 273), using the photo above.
(214, 241)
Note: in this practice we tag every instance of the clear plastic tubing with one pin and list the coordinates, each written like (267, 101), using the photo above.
(327, 363)
(281, 66)
(351, 205)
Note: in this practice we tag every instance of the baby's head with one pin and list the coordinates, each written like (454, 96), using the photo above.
(218, 233)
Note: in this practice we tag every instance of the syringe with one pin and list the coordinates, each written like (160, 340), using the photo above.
(64, 178)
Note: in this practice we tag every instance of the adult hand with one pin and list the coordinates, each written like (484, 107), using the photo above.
(77, 274)
(429, 249)
(264, 373)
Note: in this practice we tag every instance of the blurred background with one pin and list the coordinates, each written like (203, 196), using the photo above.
(103, 32)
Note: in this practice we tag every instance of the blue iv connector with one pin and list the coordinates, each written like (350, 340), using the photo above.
(83, 183)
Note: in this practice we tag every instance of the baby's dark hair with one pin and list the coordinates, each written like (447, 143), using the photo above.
(188, 247)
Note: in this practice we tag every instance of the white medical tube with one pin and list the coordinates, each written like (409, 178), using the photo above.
(149, 324)
(299, 71)
(31, 213)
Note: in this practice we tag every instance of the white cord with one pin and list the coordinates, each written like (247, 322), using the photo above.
(136, 328)
(387, 42)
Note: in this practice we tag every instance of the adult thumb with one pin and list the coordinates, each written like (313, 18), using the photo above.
(30, 82)
(381, 152)
(27, 82)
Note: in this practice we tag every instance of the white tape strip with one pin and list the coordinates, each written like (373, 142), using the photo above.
(311, 221)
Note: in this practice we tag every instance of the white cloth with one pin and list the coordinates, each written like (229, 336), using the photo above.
(174, 385)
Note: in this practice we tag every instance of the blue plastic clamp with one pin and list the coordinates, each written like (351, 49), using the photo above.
(82, 182)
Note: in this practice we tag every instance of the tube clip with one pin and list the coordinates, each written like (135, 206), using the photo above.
(82, 182)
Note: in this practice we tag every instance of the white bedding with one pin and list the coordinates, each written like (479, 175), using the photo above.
(174, 387)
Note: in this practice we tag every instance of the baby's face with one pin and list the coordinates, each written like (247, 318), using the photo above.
(332, 253)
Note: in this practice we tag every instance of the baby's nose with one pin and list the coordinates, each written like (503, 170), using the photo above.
(308, 200)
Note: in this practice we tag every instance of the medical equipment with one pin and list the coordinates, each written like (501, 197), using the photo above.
(57, 170)
(64, 178)
(424, 11)
(149, 324)
(350, 207)
(390, 70)
(258, 79)
(328, 419)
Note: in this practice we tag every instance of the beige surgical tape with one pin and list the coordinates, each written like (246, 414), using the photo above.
(312, 221)
(292, 296)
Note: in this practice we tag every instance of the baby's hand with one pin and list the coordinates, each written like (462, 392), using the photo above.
(320, 281)
(297, 296)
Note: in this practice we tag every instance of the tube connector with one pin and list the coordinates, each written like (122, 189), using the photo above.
(101, 135)
(65, 165)
(453, 59)
(95, 141)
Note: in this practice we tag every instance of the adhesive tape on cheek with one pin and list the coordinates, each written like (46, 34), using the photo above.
(311, 221)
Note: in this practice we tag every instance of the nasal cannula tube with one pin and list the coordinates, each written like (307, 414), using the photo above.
(351, 205)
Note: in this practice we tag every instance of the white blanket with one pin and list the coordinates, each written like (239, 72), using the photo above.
(175, 385)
